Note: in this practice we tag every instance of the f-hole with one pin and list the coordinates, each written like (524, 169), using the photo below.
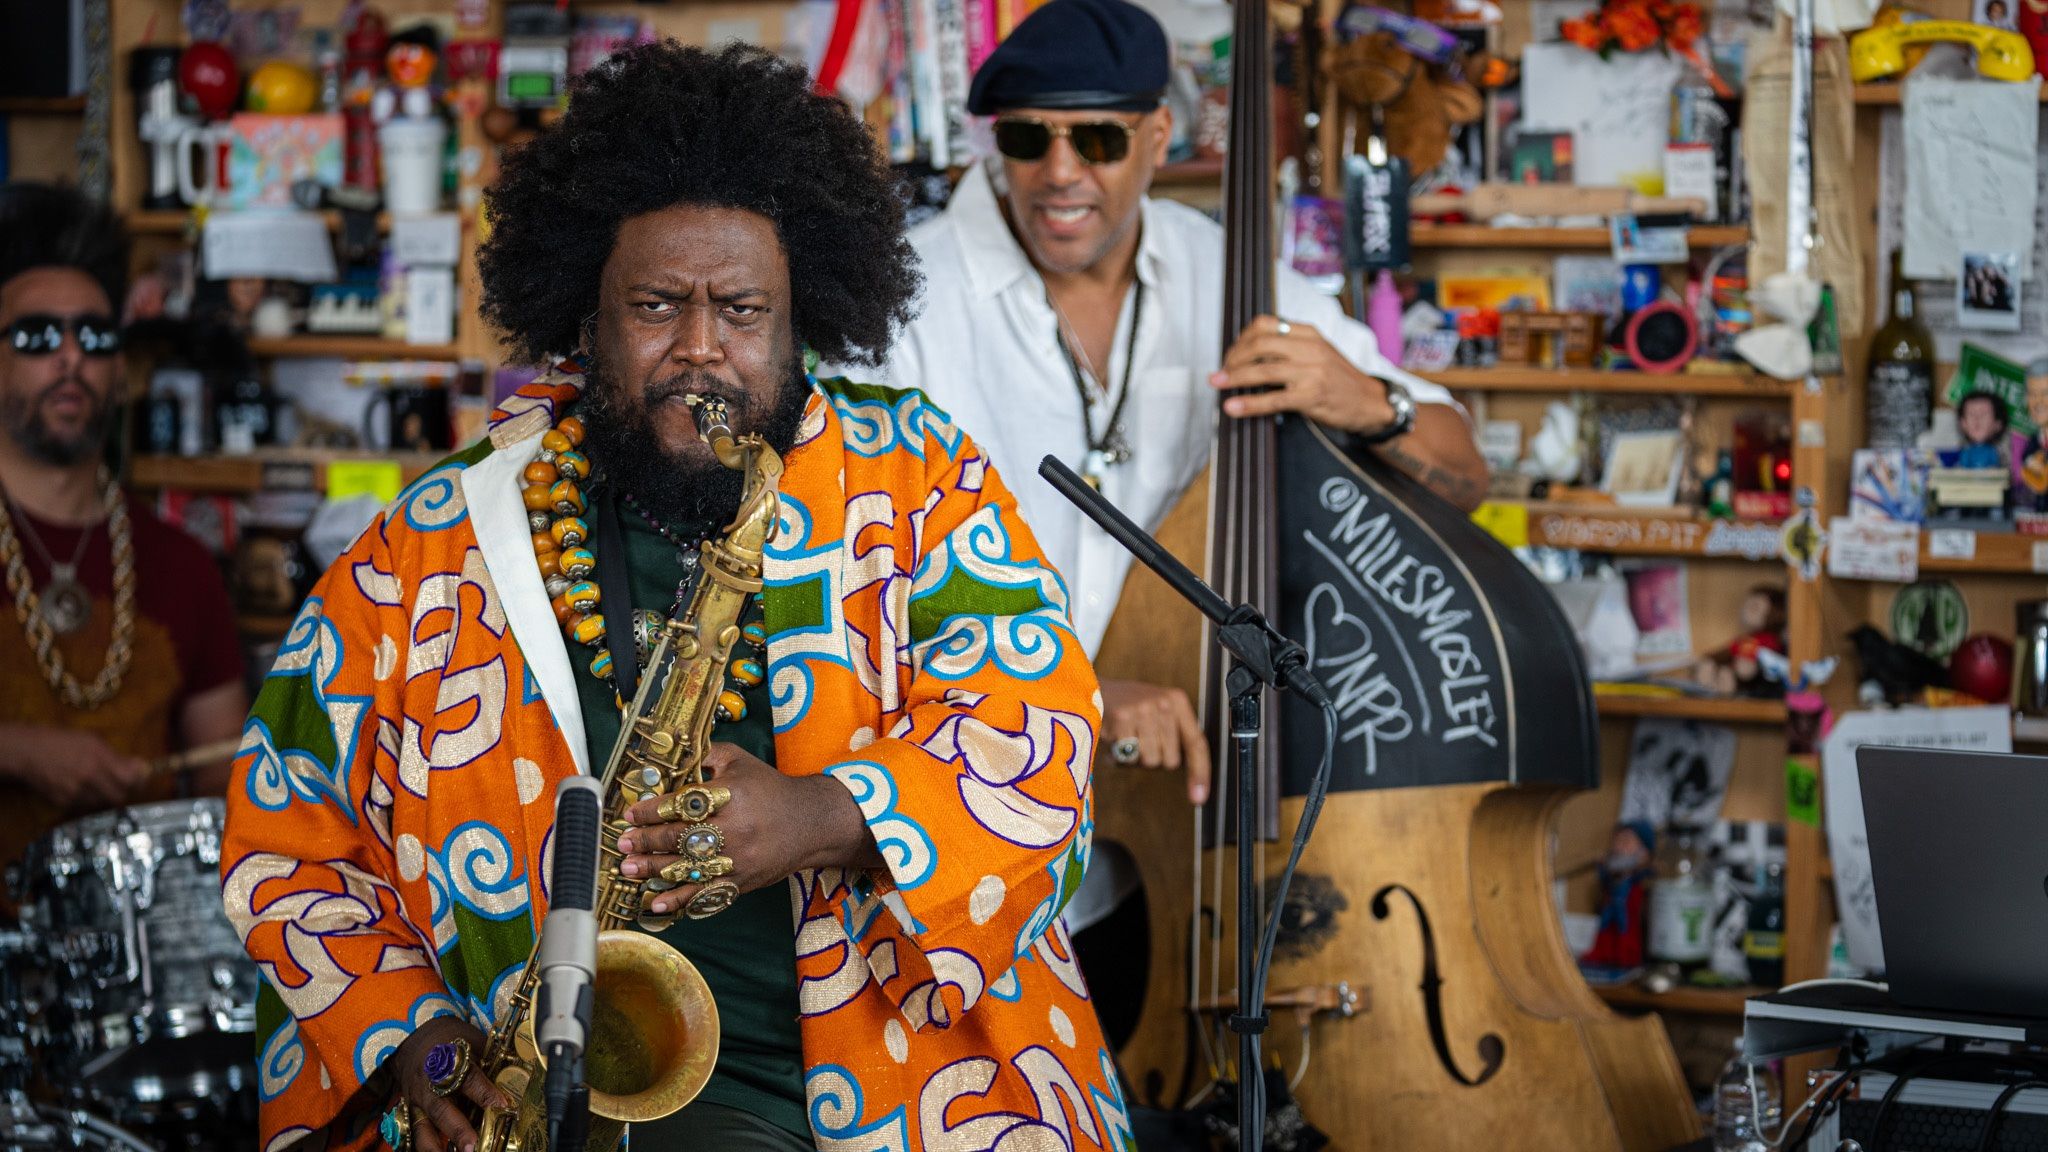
(1492, 1049)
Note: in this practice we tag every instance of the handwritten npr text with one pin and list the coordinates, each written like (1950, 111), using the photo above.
(1389, 636)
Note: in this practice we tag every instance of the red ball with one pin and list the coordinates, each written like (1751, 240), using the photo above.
(1982, 666)
(207, 74)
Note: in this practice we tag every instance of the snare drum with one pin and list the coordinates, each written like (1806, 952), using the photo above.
(158, 999)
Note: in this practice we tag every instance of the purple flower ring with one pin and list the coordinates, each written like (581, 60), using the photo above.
(447, 1066)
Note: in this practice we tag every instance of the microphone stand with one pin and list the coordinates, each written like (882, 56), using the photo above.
(1260, 656)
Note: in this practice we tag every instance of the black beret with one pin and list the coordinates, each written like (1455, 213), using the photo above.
(1107, 54)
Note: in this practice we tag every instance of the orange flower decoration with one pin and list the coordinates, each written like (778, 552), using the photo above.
(1584, 33)
(1633, 27)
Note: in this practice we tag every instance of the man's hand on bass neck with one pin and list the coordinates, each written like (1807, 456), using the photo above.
(1163, 725)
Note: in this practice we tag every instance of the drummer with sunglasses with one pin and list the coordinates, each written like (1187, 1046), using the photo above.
(1067, 313)
(117, 640)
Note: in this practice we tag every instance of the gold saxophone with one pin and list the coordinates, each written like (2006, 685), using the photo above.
(654, 1026)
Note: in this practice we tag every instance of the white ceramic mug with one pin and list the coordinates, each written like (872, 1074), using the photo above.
(202, 179)
(412, 154)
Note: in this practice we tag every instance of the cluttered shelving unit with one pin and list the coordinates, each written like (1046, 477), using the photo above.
(1723, 558)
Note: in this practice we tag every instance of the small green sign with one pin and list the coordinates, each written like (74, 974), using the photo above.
(1802, 792)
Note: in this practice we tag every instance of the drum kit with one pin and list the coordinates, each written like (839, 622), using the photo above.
(127, 1005)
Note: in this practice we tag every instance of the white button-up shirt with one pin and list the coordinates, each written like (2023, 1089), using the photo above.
(986, 349)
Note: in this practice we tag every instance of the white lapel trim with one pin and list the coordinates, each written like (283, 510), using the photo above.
(490, 488)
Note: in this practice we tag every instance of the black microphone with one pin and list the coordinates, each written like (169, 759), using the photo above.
(568, 950)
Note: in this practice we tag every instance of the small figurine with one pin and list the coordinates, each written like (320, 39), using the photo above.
(1735, 669)
(1719, 491)
(2030, 453)
(1971, 482)
(1980, 417)
(1618, 944)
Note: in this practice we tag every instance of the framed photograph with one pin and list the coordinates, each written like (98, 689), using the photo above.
(1988, 290)
(1658, 600)
(1995, 14)
(1642, 469)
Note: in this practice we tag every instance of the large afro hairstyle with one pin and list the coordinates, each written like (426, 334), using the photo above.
(659, 125)
(50, 226)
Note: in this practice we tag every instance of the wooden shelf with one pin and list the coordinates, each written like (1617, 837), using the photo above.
(1650, 532)
(1724, 711)
(1189, 172)
(42, 105)
(280, 469)
(1693, 1001)
(352, 348)
(1997, 554)
(1486, 236)
(1887, 94)
(259, 626)
(174, 221)
(1511, 379)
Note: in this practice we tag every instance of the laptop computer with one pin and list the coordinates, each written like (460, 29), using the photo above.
(1959, 856)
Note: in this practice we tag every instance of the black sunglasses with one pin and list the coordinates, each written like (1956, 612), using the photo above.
(1028, 139)
(42, 334)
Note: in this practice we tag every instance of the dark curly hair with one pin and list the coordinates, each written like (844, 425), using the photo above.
(51, 226)
(659, 125)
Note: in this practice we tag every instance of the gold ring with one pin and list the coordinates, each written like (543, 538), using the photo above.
(697, 803)
(701, 841)
(697, 871)
(712, 899)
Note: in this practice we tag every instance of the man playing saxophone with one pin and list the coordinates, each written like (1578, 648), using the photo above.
(903, 735)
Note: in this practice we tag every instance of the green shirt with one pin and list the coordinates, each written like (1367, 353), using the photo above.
(747, 953)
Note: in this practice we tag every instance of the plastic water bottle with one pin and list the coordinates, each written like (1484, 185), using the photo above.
(1736, 1109)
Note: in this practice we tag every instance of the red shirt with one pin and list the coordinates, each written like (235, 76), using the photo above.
(184, 645)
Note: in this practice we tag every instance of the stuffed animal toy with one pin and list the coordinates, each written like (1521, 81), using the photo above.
(1421, 104)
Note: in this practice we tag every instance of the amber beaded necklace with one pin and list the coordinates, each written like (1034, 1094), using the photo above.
(555, 508)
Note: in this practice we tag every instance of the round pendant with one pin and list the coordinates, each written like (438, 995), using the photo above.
(66, 605)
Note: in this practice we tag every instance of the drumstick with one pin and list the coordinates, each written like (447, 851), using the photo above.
(195, 757)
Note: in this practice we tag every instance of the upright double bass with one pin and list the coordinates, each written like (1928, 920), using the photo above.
(1422, 991)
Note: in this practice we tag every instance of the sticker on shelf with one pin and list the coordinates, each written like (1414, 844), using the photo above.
(1951, 544)
(1506, 521)
(379, 478)
(1873, 550)
(1804, 544)
(1813, 434)
(2041, 555)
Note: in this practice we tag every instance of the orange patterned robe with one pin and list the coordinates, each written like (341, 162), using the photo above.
(388, 828)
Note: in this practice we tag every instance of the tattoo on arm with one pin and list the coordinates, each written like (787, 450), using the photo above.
(1458, 489)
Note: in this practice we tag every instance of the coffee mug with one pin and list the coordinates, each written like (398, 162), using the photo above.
(412, 158)
(202, 178)
(419, 419)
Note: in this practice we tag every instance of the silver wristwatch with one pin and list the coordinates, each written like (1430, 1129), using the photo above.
(1404, 415)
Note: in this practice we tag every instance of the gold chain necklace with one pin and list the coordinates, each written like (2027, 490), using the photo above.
(28, 608)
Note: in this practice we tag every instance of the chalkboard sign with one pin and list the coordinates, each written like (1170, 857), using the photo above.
(1449, 662)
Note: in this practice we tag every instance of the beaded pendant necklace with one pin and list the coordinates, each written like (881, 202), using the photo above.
(555, 507)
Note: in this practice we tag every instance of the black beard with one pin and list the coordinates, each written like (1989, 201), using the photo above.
(623, 444)
(24, 422)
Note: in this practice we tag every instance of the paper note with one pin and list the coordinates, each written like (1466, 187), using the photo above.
(430, 241)
(1970, 163)
(1508, 523)
(1971, 729)
(1874, 550)
(349, 478)
(1952, 544)
(1937, 299)
(1618, 110)
(272, 245)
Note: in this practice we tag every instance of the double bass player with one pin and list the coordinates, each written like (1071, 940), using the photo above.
(1066, 312)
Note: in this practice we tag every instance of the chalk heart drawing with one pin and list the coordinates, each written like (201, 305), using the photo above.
(1334, 637)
